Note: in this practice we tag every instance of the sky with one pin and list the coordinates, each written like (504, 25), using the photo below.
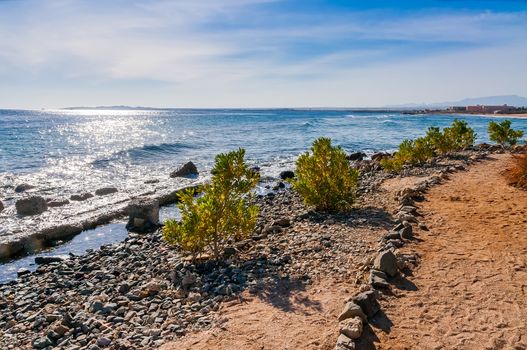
(259, 53)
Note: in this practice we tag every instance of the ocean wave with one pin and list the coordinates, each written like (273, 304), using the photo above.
(143, 153)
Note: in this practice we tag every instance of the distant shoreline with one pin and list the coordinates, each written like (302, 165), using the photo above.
(511, 116)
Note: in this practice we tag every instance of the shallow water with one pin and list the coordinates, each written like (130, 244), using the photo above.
(87, 240)
(80, 244)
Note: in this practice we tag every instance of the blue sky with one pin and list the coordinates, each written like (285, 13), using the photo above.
(258, 53)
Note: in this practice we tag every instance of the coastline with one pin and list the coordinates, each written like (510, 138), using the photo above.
(142, 281)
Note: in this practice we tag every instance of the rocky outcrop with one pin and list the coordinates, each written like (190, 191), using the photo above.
(143, 215)
(31, 206)
(1, 206)
(188, 169)
(105, 191)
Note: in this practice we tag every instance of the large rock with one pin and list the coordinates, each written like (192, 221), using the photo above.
(23, 187)
(187, 169)
(287, 174)
(1, 206)
(81, 197)
(351, 327)
(31, 206)
(356, 156)
(368, 303)
(105, 190)
(143, 215)
(351, 310)
(386, 262)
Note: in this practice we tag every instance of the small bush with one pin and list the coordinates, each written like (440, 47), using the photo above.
(503, 134)
(459, 135)
(411, 152)
(221, 214)
(414, 152)
(517, 175)
(325, 178)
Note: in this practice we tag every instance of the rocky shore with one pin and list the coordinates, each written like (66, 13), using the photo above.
(141, 293)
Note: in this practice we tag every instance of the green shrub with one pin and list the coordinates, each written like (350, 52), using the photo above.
(456, 137)
(459, 135)
(325, 178)
(221, 214)
(412, 152)
(503, 134)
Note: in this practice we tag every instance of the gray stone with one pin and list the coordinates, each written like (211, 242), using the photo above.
(351, 327)
(423, 227)
(81, 197)
(386, 262)
(53, 203)
(282, 222)
(188, 169)
(22, 272)
(155, 286)
(143, 215)
(105, 190)
(391, 235)
(378, 279)
(41, 343)
(31, 206)
(368, 303)
(356, 156)
(345, 343)
(406, 232)
(351, 310)
(287, 174)
(43, 260)
(23, 187)
(103, 342)
(377, 157)
(401, 216)
(96, 305)
(188, 280)
(272, 229)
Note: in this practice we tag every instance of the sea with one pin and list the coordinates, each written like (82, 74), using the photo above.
(70, 151)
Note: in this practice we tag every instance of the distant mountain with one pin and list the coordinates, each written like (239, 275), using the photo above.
(511, 100)
(112, 108)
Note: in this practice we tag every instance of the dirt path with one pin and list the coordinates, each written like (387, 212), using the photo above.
(471, 286)
(287, 319)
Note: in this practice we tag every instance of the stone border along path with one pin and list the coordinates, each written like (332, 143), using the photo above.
(386, 264)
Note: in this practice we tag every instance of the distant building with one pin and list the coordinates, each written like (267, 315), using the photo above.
(457, 109)
(488, 109)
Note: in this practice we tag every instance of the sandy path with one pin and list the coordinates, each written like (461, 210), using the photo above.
(471, 286)
(289, 318)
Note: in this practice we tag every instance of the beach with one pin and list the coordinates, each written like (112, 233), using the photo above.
(283, 287)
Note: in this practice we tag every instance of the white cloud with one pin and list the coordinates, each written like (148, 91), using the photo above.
(210, 53)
